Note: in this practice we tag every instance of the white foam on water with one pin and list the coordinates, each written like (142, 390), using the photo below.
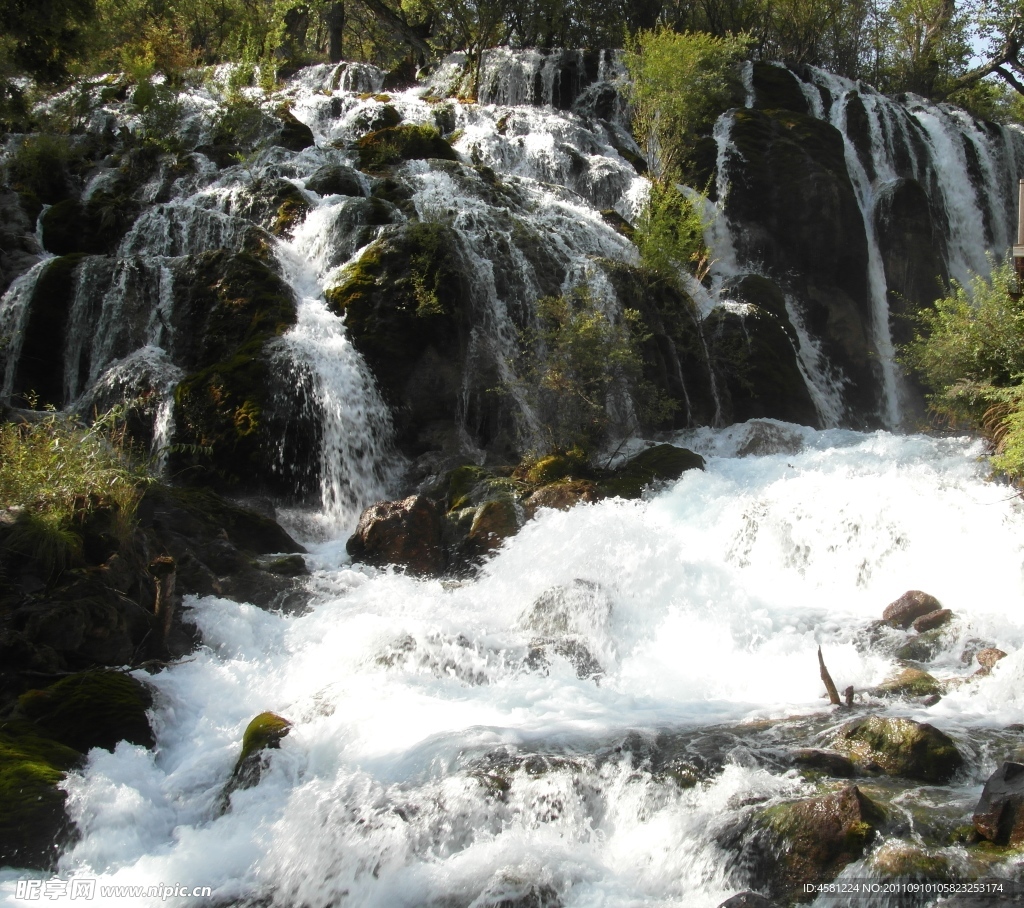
(704, 605)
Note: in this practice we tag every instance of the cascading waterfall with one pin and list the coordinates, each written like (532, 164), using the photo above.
(449, 746)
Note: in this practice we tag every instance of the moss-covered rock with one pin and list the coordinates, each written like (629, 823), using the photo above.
(235, 414)
(911, 682)
(32, 820)
(406, 309)
(900, 747)
(395, 144)
(294, 134)
(95, 227)
(811, 840)
(561, 495)
(776, 88)
(660, 463)
(333, 179)
(377, 117)
(264, 733)
(277, 205)
(923, 647)
(91, 709)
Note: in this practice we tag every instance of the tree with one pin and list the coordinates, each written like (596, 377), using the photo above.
(45, 35)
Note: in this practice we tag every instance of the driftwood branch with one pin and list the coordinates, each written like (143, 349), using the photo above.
(830, 685)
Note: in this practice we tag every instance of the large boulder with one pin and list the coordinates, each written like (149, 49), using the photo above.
(999, 816)
(900, 747)
(811, 840)
(911, 605)
(405, 533)
(660, 463)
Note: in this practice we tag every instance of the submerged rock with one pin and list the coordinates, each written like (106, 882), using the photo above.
(911, 682)
(911, 605)
(999, 816)
(406, 533)
(826, 761)
(900, 747)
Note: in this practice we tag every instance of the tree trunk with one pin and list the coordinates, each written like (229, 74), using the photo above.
(335, 27)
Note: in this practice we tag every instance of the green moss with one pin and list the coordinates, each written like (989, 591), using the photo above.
(660, 463)
(556, 466)
(900, 747)
(31, 767)
(91, 709)
(291, 213)
(395, 144)
(911, 682)
(263, 732)
(776, 88)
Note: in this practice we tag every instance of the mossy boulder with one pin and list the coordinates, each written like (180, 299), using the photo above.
(235, 413)
(294, 134)
(562, 495)
(900, 747)
(911, 682)
(276, 205)
(377, 117)
(395, 144)
(660, 463)
(923, 647)
(32, 822)
(94, 227)
(406, 306)
(91, 709)
(333, 179)
(264, 733)
(811, 840)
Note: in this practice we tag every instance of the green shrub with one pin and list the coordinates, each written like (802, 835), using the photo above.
(680, 84)
(581, 373)
(56, 473)
(670, 233)
(969, 353)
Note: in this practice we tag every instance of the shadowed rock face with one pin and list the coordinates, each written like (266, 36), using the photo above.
(999, 816)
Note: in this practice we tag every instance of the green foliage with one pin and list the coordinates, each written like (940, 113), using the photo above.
(670, 233)
(680, 84)
(55, 473)
(969, 351)
(39, 166)
(581, 373)
(45, 35)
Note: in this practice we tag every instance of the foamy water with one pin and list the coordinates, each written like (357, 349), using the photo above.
(410, 776)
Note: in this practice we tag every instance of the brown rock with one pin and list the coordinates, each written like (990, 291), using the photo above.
(999, 816)
(987, 658)
(932, 620)
(561, 495)
(406, 533)
(494, 522)
(912, 604)
(900, 747)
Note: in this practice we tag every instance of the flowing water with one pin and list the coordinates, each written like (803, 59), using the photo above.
(443, 753)
(584, 722)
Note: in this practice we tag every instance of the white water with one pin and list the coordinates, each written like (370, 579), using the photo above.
(703, 605)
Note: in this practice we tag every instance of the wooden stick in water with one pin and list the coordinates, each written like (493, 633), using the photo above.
(830, 685)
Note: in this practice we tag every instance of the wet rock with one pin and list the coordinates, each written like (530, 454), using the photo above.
(810, 841)
(902, 860)
(288, 566)
(562, 495)
(91, 709)
(395, 144)
(333, 179)
(493, 522)
(747, 899)
(938, 618)
(826, 761)
(509, 891)
(277, 205)
(924, 647)
(661, 463)
(579, 608)
(294, 135)
(911, 605)
(911, 682)
(987, 658)
(760, 438)
(19, 250)
(405, 533)
(999, 815)
(900, 747)
(265, 732)
(32, 822)
(776, 88)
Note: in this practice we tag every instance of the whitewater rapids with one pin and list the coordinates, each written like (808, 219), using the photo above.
(704, 605)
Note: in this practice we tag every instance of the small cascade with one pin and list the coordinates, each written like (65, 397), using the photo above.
(824, 385)
(14, 313)
(877, 290)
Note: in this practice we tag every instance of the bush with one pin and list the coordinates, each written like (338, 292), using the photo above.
(680, 84)
(969, 352)
(670, 233)
(54, 474)
(581, 374)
